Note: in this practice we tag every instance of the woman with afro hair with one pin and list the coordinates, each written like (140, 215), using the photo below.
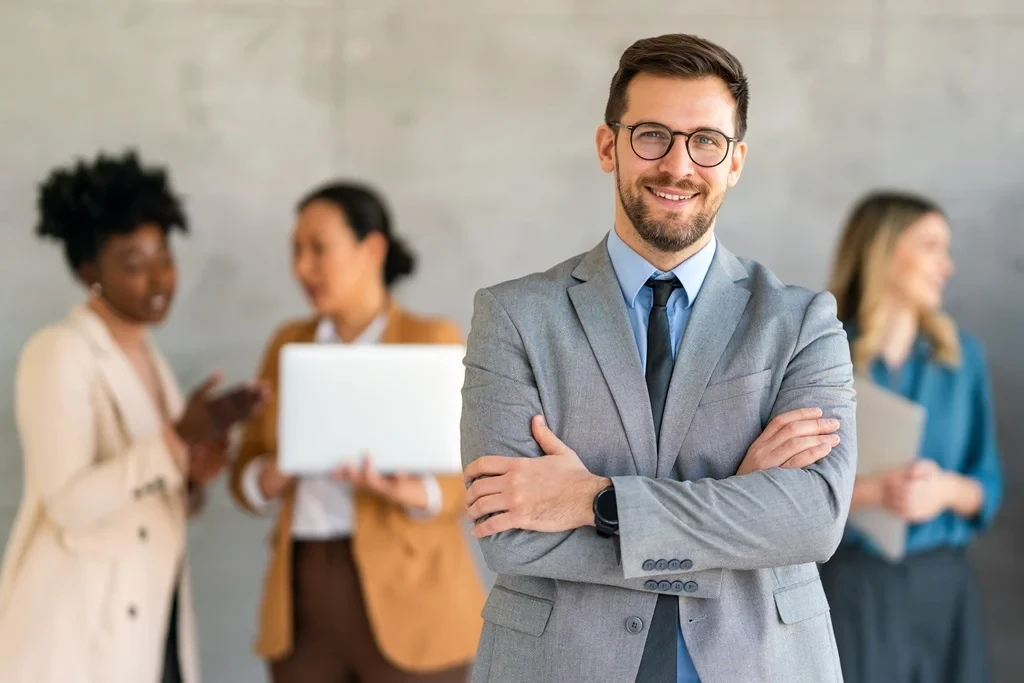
(94, 585)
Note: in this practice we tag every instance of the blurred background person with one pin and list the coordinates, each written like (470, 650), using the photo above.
(95, 582)
(919, 620)
(370, 577)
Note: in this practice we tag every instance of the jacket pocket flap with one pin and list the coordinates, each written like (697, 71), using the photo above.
(517, 611)
(802, 601)
(739, 386)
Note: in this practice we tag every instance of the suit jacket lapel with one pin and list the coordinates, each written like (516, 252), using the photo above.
(715, 315)
(602, 312)
(168, 383)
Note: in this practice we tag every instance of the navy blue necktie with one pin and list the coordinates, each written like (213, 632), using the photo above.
(658, 664)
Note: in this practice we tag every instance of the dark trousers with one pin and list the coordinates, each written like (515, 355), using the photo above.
(918, 621)
(333, 639)
(172, 668)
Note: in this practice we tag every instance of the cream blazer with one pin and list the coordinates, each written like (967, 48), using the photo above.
(99, 540)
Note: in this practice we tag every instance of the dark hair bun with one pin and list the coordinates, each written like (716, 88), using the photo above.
(366, 212)
(399, 262)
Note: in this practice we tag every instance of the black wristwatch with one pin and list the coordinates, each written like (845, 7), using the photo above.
(606, 513)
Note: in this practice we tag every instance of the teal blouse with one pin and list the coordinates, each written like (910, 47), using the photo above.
(959, 435)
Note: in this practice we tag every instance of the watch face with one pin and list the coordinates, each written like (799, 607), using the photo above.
(606, 507)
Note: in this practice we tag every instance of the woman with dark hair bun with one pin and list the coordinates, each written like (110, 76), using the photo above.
(370, 577)
(94, 584)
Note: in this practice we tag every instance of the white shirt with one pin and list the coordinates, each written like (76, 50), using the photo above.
(324, 506)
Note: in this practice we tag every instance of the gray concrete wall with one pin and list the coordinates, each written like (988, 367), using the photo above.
(477, 118)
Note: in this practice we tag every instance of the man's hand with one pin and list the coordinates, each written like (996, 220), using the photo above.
(400, 489)
(795, 439)
(554, 492)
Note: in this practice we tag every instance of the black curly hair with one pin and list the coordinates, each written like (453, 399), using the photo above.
(85, 204)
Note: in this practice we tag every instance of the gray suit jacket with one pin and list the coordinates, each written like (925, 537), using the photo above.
(739, 551)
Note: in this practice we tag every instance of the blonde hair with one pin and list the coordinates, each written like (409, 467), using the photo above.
(859, 275)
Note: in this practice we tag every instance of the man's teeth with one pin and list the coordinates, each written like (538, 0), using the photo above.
(673, 197)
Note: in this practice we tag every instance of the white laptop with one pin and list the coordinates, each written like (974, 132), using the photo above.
(401, 403)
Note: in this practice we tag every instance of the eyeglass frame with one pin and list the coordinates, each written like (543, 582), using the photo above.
(672, 141)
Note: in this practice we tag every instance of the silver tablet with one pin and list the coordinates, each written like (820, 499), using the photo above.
(400, 403)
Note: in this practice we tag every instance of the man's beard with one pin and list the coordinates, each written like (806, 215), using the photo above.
(668, 235)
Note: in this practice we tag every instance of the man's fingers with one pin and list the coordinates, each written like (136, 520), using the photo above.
(487, 505)
(488, 465)
(484, 487)
(808, 456)
(783, 419)
(494, 525)
(798, 428)
(799, 444)
(546, 439)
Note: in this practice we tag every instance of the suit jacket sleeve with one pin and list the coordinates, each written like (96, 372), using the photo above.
(500, 397)
(764, 519)
(770, 518)
(56, 423)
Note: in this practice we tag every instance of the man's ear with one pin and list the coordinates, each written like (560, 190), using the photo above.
(605, 140)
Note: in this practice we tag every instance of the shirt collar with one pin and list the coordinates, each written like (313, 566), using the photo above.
(326, 333)
(633, 270)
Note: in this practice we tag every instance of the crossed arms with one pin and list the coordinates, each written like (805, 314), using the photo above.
(533, 513)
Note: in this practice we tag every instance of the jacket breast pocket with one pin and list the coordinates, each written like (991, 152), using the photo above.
(733, 388)
(726, 422)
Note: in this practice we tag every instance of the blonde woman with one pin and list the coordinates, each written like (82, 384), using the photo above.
(920, 619)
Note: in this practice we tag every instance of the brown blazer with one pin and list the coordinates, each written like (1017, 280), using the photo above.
(421, 586)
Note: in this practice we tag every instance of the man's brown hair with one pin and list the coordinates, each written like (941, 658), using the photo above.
(679, 55)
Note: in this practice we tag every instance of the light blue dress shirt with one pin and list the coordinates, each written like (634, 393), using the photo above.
(633, 271)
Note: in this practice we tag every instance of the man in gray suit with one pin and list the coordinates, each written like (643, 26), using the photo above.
(705, 411)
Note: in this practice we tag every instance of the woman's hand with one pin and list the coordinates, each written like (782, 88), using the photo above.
(919, 492)
(207, 418)
(400, 489)
(272, 480)
(206, 460)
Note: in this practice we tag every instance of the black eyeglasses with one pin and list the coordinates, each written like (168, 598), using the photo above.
(651, 141)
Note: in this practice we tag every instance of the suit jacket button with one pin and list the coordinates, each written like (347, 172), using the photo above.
(649, 566)
(651, 585)
(690, 586)
(673, 565)
(634, 624)
(686, 564)
(132, 611)
(661, 565)
(664, 585)
(677, 586)
(143, 534)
